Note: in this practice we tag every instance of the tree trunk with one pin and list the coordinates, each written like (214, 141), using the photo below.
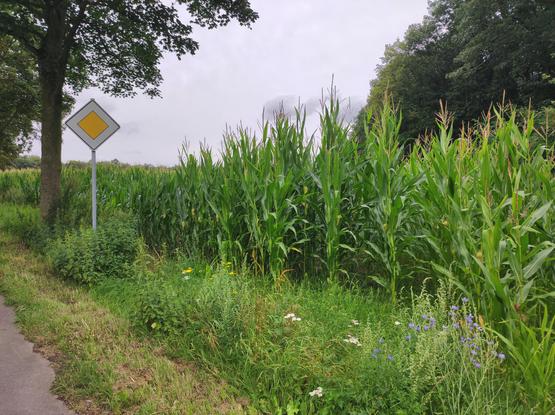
(51, 146)
(52, 69)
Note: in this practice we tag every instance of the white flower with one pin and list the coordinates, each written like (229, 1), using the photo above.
(292, 317)
(352, 339)
(317, 392)
(397, 323)
(355, 322)
(186, 277)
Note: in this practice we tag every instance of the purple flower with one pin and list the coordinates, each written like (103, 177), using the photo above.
(501, 356)
(473, 352)
(432, 321)
(418, 328)
(469, 319)
(411, 325)
(456, 325)
(389, 357)
(454, 308)
(424, 317)
(477, 365)
(407, 337)
(464, 300)
(426, 328)
(376, 351)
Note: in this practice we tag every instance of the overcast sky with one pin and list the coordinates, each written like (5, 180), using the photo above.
(290, 55)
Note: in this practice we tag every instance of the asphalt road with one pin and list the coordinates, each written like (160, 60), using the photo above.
(25, 376)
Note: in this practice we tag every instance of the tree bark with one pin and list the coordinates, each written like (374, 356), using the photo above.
(51, 147)
(52, 69)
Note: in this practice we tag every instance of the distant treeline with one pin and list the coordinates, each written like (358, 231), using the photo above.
(469, 54)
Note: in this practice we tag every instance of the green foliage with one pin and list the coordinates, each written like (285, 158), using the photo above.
(24, 223)
(469, 54)
(277, 346)
(19, 100)
(88, 256)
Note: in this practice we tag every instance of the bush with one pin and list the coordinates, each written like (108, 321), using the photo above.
(159, 308)
(88, 256)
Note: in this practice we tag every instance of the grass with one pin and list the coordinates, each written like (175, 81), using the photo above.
(101, 365)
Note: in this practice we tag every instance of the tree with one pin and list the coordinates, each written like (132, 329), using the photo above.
(19, 100)
(113, 44)
(469, 54)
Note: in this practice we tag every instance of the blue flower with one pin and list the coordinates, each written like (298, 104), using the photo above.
(469, 319)
(501, 356)
(389, 357)
(424, 317)
(407, 337)
(426, 328)
(465, 300)
(454, 308)
(411, 325)
(376, 351)
(432, 321)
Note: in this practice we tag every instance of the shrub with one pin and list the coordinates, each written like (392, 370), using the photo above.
(88, 256)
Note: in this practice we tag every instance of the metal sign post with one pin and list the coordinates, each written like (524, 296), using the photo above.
(94, 126)
(93, 161)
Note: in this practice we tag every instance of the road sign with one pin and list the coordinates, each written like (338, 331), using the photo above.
(94, 126)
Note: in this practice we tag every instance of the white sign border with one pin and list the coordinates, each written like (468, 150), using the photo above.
(73, 124)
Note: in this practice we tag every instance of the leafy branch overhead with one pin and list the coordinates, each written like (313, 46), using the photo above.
(113, 44)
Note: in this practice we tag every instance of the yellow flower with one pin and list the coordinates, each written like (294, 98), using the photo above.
(187, 270)
(232, 273)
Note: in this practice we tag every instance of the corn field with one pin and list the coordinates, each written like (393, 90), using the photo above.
(473, 209)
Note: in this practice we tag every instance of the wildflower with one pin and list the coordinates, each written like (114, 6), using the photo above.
(456, 325)
(186, 277)
(353, 340)
(376, 351)
(501, 356)
(292, 317)
(418, 328)
(469, 319)
(426, 328)
(454, 308)
(444, 222)
(389, 357)
(407, 337)
(319, 391)
(424, 317)
(432, 321)
(232, 273)
(464, 300)
(397, 323)
(477, 364)
(187, 270)
(355, 322)
(411, 325)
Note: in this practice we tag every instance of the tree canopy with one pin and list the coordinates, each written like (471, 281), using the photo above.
(469, 54)
(19, 100)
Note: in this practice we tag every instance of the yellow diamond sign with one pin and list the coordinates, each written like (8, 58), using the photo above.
(93, 125)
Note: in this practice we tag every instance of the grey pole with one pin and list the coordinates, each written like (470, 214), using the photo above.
(93, 189)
